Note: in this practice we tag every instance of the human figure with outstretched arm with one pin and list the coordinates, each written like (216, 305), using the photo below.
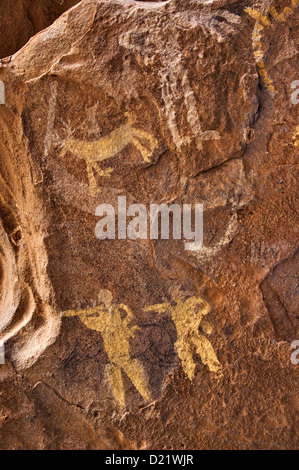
(188, 317)
(107, 319)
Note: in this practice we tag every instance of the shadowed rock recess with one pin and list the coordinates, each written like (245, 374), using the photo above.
(141, 344)
(21, 19)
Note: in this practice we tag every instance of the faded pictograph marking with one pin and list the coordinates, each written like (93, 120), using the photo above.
(262, 20)
(230, 232)
(174, 81)
(170, 79)
(187, 315)
(295, 138)
(109, 146)
(107, 318)
(295, 100)
(51, 118)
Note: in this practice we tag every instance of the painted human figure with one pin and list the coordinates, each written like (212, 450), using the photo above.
(107, 318)
(188, 317)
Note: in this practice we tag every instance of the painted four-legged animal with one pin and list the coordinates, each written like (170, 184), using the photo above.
(109, 146)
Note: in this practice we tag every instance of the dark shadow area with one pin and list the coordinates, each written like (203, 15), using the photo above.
(22, 19)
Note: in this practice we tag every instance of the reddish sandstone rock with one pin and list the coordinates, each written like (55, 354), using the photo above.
(161, 102)
(21, 19)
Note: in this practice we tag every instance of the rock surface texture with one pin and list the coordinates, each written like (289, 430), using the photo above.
(142, 344)
(21, 19)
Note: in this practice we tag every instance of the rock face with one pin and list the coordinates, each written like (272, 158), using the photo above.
(21, 19)
(143, 344)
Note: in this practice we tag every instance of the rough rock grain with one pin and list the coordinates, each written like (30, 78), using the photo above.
(21, 19)
(161, 102)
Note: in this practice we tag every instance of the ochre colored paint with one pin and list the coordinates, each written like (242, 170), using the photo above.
(109, 146)
(187, 316)
(296, 137)
(116, 333)
(262, 21)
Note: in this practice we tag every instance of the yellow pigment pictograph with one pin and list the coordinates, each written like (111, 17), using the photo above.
(262, 21)
(112, 321)
(296, 137)
(187, 315)
(109, 146)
